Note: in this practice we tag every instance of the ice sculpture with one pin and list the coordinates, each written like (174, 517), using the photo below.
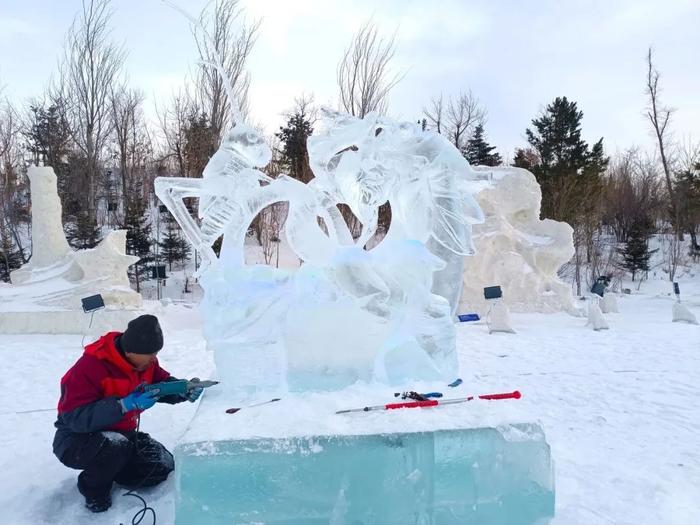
(514, 248)
(45, 293)
(355, 310)
(49, 244)
(608, 304)
(349, 313)
(681, 313)
(595, 315)
(498, 318)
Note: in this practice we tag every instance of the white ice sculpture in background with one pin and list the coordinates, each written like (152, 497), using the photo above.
(595, 315)
(515, 249)
(608, 304)
(45, 293)
(348, 313)
(681, 313)
(498, 318)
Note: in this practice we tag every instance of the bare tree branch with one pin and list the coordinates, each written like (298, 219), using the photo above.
(363, 75)
(463, 114)
(456, 117)
(11, 185)
(434, 114)
(173, 126)
(222, 43)
(659, 117)
(87, 74)
(131, 137)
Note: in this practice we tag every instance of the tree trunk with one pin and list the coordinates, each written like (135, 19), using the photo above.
(90, 176)
(123, 168)
(136, 269)
(577, 260)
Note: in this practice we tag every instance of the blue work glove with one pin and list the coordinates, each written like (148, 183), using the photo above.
(193, 395)
(137, 400)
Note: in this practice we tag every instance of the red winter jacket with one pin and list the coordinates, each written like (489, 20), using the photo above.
(91, 388)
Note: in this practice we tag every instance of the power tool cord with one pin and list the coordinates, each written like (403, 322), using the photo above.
(82, 342)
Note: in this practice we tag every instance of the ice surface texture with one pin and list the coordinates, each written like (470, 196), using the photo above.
(468, 476)
(348, 313)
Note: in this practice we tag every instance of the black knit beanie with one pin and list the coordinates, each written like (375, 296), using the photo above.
(142, 336)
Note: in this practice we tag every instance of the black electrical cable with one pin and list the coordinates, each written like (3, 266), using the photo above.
(141, 513)
(82, 342)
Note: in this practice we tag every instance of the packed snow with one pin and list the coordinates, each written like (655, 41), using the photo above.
(619, 409)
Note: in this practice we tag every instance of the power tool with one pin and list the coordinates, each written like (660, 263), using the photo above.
(179, 386)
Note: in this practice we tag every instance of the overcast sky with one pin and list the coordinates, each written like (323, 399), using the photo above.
(515, 56)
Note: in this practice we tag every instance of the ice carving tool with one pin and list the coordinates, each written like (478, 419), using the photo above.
(180, 386)
(234, 410)
(416, 396)
(433, 403)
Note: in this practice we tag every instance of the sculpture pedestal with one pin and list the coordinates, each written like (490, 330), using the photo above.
(488, 475)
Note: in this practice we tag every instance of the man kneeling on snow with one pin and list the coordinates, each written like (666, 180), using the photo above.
(99, 410)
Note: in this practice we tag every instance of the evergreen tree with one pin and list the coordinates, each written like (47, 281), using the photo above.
(200, 144)
(688, 192)
(636, 252)
(478, 152)
(48, 135)
(138, 237)
(10, 255)
(568, 171)
(174, 247)
(48, 142)
(525, 158)
(83, 233)
(295, 155)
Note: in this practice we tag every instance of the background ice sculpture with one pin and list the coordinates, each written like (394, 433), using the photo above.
(515, 249)
(45, 293)
(348, 313)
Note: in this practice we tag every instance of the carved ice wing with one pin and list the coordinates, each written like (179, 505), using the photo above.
(453, 211)
(171, 191)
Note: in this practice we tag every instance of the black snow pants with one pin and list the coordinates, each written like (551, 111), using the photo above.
(134, 460)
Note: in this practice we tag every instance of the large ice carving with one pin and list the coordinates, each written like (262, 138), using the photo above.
(515, 249)
(349, 313)
(45, 293)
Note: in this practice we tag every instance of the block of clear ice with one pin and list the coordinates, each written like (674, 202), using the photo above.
(484, 476)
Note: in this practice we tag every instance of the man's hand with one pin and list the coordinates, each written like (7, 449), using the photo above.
(193, 395)
(137, 400)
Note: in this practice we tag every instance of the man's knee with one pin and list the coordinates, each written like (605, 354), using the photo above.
(86, 450)
(160, 462)
(117, 446)
(150, 465)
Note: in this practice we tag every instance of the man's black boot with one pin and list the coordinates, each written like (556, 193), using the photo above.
(98, 504)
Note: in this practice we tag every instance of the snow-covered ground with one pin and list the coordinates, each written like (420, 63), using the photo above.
(619, 407)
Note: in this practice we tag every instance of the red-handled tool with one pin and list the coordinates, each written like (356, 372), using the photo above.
(434, 402)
